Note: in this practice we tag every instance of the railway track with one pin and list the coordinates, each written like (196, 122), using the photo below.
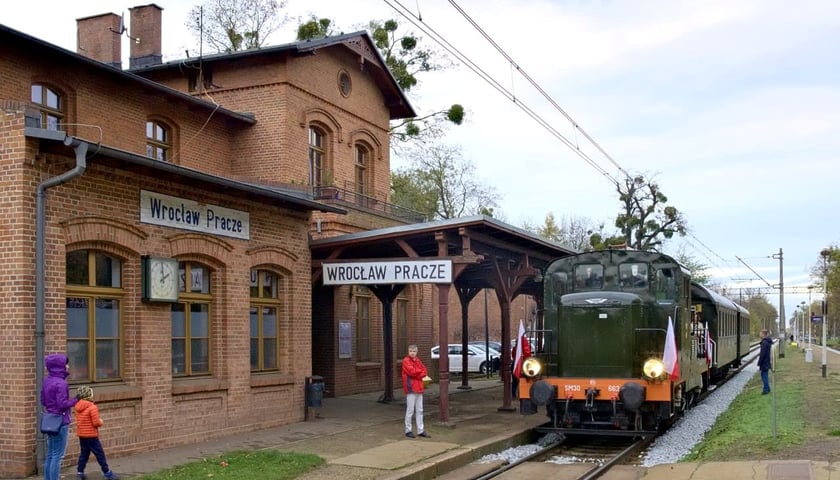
(578, 458)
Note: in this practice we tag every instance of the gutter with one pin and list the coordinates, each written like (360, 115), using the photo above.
(81, 149)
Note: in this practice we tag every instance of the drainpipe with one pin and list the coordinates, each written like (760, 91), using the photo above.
(80, 147)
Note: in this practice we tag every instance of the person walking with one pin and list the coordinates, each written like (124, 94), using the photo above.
(87, 429)
(764, 360)
(413, 372)
(55, 398)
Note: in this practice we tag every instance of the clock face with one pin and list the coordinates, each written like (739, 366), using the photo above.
(162, 278)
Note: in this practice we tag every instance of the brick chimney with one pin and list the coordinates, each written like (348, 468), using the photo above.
(98, 38)
(145, 36)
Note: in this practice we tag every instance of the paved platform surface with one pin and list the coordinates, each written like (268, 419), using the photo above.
(361, 439)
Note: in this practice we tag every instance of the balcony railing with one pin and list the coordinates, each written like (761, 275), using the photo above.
(350, 198)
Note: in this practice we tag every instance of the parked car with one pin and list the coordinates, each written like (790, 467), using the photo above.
(494, 345)
(477, 358)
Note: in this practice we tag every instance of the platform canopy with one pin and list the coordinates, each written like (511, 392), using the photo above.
(484, 253)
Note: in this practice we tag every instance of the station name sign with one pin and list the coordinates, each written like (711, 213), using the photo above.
(386, 272)
(160, 209)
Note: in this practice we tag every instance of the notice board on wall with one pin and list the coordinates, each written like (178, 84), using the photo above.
(344, 340)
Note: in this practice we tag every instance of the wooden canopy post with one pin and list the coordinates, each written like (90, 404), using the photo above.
(386, 294)
(465, 295)
(506, 283)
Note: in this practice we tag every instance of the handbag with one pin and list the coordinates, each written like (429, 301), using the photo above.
(51, 422)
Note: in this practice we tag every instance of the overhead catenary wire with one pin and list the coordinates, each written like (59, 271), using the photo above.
(537, 86)
(452, 50)
(417, 21)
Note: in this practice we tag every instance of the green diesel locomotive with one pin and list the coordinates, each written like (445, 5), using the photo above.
(627, 342)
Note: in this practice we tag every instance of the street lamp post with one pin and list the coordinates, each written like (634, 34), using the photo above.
(824, 254)
(801, 334)
(810, 315)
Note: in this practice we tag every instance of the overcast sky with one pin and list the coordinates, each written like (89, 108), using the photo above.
(732, 106)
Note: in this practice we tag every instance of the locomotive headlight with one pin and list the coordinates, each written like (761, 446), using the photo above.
(531, 367)
(653, 368)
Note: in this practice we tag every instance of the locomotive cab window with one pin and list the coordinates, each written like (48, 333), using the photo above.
(666, 286)
(589, 276)
(633, 275)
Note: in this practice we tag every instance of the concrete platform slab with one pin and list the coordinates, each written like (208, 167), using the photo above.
(790, 471)
(395, 455)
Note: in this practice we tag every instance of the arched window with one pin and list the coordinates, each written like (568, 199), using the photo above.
(317, 156)
(191, 321)
(93, 313)
(362, 162)
(49, 104)
(266, 311)
(158, 141)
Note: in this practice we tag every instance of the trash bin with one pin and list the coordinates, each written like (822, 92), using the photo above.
(314, 391)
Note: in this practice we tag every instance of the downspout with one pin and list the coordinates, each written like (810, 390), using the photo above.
(80, 148)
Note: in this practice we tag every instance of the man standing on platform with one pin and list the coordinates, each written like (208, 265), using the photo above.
(764, 361)
(413, 373)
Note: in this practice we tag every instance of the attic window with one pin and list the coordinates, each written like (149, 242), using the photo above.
(344, 84)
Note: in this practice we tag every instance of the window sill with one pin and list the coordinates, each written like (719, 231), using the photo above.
(186, 386)
(368, 365)
(271, 379)
(115, 392)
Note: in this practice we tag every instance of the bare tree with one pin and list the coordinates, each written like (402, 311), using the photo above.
(232, 25)
(442, 184)
(573, 232)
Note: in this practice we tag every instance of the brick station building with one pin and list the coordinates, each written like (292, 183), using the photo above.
(219, 172)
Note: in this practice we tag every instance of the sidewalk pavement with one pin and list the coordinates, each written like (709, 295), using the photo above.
(363, 439)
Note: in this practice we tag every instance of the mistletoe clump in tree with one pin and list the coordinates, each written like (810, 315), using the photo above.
(406, 58)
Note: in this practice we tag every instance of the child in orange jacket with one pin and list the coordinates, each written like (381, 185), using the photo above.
(87, 428)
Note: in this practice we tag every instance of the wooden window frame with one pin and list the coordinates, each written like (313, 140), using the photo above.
(363, 325)
(259, 302)
(50, 116)
(93, 293)
(158, 148)
(186, 299)
(317, 155)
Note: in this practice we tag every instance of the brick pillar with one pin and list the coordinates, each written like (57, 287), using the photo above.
(98, 38)
(145, 36)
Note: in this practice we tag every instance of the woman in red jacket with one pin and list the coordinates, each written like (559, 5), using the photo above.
(413, 372)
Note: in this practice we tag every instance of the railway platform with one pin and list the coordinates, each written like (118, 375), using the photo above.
(360, 439)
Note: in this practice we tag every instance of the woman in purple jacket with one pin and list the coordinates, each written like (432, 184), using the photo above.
(55, 398)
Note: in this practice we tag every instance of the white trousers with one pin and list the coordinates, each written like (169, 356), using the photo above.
(414, 406)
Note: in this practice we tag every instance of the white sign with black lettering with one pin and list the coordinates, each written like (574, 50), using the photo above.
(160, 209)
(399, 271)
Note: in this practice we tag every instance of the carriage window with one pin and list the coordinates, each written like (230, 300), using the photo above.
(589, 276)
(666, 287)
(633, 275)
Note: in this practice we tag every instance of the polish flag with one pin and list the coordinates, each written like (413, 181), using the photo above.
(670, 358)
(523, 351)
(708, 347)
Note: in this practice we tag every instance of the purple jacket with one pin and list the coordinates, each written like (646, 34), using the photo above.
(55, 393)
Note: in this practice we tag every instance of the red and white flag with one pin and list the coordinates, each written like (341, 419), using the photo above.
(708, 347)
(523, 351)
(670, 357)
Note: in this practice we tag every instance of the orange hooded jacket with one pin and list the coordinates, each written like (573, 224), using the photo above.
(87, 419)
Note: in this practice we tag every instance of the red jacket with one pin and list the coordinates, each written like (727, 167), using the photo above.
(87, 419)
(413, 372)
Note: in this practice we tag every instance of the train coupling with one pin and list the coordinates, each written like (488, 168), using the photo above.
(591, 394)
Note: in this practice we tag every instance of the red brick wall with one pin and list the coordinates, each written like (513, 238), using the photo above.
(100, 210)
